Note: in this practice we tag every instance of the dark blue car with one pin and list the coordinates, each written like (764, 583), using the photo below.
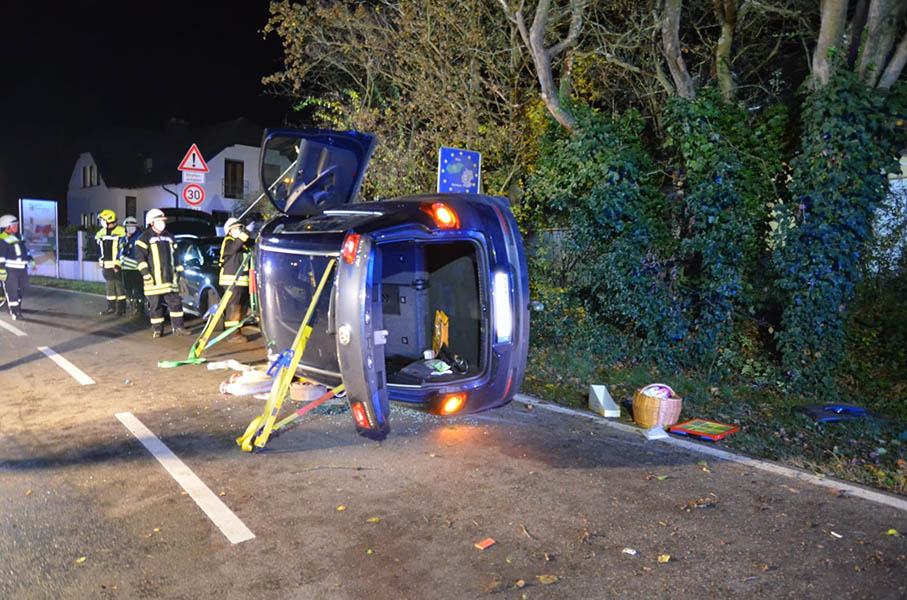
(428, 304)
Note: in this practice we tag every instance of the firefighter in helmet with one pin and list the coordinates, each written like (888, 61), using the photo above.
(154, 252)
(14, 263)
(233, 252)
(132, 279)
(111, 239)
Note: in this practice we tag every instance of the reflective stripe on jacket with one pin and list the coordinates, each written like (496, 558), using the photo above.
(154, 253)
(111, 242)
(127, 257)
(232, 253)
(13, 253)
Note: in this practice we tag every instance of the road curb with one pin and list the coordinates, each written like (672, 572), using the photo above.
(803, 476)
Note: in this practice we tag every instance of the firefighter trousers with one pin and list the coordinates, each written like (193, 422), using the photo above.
(116, 294)
(156, 310)
(14, 286)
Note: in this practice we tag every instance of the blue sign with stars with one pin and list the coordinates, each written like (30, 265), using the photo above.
(459, 171)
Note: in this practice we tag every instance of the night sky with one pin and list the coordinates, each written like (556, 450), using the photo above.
(69, 69)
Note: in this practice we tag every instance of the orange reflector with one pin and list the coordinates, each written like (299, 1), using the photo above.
(452, 403)
(350, 246)
(443, 216)
(359, 415)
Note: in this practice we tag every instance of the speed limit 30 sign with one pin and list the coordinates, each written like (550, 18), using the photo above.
(194, 194)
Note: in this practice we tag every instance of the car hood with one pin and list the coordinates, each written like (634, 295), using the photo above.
(327, 171)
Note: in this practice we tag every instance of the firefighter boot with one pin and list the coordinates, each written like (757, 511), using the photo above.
(121, 306)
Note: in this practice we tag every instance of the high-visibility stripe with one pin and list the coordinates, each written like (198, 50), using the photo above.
(156, 257)
(156, 320)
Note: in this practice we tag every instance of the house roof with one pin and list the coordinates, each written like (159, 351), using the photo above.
(120, 153)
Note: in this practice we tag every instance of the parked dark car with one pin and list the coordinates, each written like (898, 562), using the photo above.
(405, 266)
(198, 282)
(188, 221)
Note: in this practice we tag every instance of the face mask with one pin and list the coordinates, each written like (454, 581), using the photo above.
(130, 229)
(157, 226)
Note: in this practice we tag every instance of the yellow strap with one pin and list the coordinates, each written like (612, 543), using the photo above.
(282, 382)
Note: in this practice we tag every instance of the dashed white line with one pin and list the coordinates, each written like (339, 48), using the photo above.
(229, 524)
(771, 467)
(15, 330)
(67, 366)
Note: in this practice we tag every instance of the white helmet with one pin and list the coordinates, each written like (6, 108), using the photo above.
(130, 221)
(231, 223)
(7, 220)
(153, 215)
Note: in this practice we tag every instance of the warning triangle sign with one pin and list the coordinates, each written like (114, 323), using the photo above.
(193, 161)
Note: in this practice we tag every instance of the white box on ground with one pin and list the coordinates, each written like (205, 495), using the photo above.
(601, 401)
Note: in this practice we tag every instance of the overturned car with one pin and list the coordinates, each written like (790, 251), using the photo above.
(428, 303)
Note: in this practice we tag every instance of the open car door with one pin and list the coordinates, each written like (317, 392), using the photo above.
(361, 336)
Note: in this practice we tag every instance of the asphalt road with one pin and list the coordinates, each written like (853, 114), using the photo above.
(577, 509)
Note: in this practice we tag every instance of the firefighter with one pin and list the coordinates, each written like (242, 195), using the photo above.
(132, 279)
(233, 252)
(154, 252)
(111, 238)
(14, 263)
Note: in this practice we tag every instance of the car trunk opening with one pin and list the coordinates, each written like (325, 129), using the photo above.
(419, 281)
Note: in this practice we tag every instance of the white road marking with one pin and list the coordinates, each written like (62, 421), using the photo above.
(771, 467)
(14, 330)
(67, 366)
(228, 523)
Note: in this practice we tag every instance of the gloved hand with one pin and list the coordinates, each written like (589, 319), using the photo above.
(31, 264)
(2, 274)
(147, 280)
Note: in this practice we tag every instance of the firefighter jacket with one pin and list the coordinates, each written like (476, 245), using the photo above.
(127, 257)
(13, 253)
(155, 254)
(111, 241)
(232, 253)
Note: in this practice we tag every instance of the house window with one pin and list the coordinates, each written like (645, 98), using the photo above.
(84, 175)
(146, 165)
(233, 179)
(91, 180)
(130, 206)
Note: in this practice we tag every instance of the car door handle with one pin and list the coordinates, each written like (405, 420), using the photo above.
(380, 337)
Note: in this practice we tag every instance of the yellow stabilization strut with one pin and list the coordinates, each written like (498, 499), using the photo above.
(259, 430)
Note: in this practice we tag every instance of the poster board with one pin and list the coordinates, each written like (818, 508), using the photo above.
(39, 228)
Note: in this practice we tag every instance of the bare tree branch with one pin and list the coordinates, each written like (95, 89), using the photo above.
(670, 36)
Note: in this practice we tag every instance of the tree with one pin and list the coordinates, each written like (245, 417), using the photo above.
(543, 56)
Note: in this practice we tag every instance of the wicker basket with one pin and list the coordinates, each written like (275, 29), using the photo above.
(649, 411)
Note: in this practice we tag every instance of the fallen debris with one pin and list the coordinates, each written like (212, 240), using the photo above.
(486, 543)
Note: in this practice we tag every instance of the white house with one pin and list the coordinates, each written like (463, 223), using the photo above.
(132, 172)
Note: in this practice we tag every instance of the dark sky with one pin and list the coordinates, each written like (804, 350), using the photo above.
(70, 68)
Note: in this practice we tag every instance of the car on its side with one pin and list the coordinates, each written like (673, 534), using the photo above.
(415, 276)
(198, 286)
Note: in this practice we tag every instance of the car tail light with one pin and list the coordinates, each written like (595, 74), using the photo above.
(350, 246)
(443, 215)
(452, 403)
(503, 310)
(360, 416)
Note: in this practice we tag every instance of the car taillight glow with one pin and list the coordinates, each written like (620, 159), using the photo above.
(359, 415)
(443, 215)
(503, 312)
(452, 403)
(350, 246)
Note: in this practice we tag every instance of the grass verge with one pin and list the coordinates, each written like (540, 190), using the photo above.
(868, 451)
(91, 287)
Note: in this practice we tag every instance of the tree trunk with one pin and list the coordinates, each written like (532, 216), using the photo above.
(834, 14)
(726, 13)
(895, 65)
(670, 38)
(534, 39)
(878, 38)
